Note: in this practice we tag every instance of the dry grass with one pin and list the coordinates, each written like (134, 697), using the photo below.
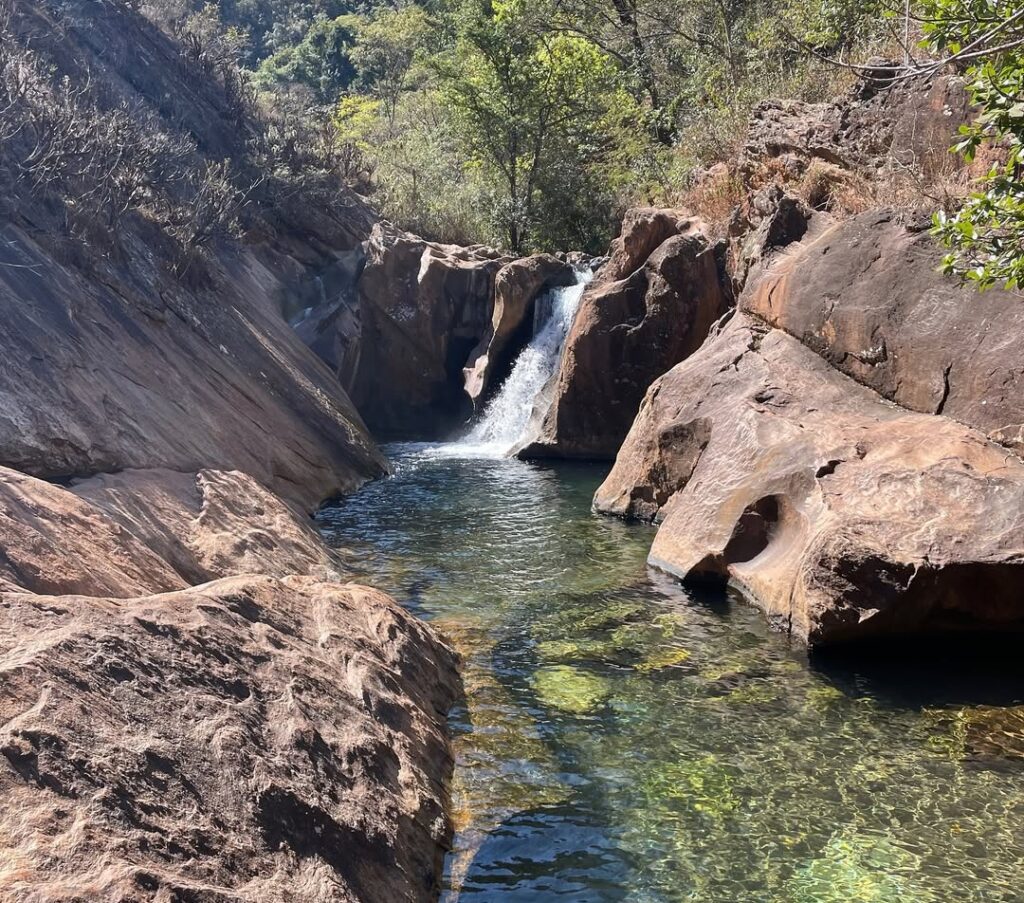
(914, 188)
(714, 197)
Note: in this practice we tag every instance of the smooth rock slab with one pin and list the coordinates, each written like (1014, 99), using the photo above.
(841, 515)
(250, 740)
(867, 295)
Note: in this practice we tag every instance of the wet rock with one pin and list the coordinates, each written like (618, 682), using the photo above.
(867, 296)
(516, 289)
(253, 739)
(651, 306)
(841, 515)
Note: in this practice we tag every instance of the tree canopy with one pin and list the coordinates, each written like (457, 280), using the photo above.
(532, 124)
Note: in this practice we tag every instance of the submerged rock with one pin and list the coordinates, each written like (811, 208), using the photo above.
(841, 515)
(252, 739)
(651, 306)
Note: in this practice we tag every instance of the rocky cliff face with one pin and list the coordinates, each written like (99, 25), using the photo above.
(115, 357)
(419, 333)
(274, 736)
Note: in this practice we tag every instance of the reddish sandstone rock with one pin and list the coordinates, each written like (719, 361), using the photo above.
(112, 358)
(423, 307)
(52, 542)
(252, 739)
(212, 524)
(651, 306)
(873, 127)
(841, 515)
(867, 295)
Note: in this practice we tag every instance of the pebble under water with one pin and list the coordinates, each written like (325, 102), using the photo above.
(626, 739)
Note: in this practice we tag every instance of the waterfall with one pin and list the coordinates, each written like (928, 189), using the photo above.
(504, 421)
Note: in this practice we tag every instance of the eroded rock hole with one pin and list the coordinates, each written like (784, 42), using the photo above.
(753, 531)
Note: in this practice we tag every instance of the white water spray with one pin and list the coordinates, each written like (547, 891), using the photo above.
(503, 424)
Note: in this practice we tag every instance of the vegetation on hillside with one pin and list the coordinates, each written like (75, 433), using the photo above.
(986, 236)
(529, 123)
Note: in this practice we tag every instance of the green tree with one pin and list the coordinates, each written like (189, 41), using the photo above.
(322, 61)
(526, 100)
(986, 237)
(390, 46)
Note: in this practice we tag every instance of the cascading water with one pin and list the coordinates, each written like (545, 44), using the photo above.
(503, 424)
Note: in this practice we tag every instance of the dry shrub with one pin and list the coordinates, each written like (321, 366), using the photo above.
(713, 196)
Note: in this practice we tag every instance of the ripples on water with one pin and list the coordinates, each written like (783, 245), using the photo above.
(626, 740)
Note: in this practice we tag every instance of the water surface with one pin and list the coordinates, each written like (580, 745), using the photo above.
(624, 739)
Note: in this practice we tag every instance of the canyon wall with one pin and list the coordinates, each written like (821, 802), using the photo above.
(845, 448)
(196, 703)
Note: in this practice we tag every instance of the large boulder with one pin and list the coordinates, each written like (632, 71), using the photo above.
(253, 739)
(840, 514)
(651, 306)
(516, 289)
(868, 296)
(422, 308)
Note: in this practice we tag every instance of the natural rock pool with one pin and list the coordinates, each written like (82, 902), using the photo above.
(626, 739)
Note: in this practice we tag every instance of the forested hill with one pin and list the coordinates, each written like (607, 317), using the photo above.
(529, 123)
(534, 124)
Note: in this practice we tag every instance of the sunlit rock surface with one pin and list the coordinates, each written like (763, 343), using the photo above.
(110, 359)
(841, 515)
(252, 739)
(212, 524)
(867, 295)
(52, 542)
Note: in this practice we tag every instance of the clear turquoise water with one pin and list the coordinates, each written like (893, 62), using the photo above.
(624, 739)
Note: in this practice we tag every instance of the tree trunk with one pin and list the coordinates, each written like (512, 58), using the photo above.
(626, 11)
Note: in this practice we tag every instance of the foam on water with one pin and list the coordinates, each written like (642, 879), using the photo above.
(503, 424)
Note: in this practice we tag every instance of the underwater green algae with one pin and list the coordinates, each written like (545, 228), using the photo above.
(624, 739)
(569, 689)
